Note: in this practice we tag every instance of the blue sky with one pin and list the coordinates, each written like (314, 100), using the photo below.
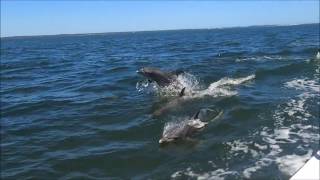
(70, 17)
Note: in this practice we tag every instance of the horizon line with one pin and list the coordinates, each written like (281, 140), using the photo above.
(138, 31)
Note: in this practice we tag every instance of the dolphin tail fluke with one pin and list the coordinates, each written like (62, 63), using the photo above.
(182, 92)
(196, 116)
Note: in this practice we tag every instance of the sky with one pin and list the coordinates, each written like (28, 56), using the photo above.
(22, 18)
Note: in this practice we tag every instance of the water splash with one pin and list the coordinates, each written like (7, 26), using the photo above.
(222, 87)
(187, 80)
(146, 86)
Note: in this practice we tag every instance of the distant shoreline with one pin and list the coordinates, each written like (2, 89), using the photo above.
(103, 33)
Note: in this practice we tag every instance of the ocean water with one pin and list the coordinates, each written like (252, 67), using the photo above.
(73, 106)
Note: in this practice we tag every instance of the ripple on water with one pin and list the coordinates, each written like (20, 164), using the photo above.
(70, 109)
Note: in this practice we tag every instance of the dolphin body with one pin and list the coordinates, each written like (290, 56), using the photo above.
(173, 104)
(182, 130)
(160, 77)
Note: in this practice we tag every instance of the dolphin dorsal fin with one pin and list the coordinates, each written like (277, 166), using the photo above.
(182, 92)
(196, 116)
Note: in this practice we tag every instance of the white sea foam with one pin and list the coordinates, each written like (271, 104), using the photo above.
(216, 174)
(307, 85)
(247, 173)
(289, 164)
(296, 108)
(260, 58)
(246, 59)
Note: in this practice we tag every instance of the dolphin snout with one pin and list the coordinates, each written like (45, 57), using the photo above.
(165, 140)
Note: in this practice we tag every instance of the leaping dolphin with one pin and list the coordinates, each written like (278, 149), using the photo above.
(160, 77)
(182, 130)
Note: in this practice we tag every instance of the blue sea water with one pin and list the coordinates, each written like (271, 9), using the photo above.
(73, 106)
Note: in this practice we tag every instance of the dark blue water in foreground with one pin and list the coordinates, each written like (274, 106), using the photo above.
(72, 107)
